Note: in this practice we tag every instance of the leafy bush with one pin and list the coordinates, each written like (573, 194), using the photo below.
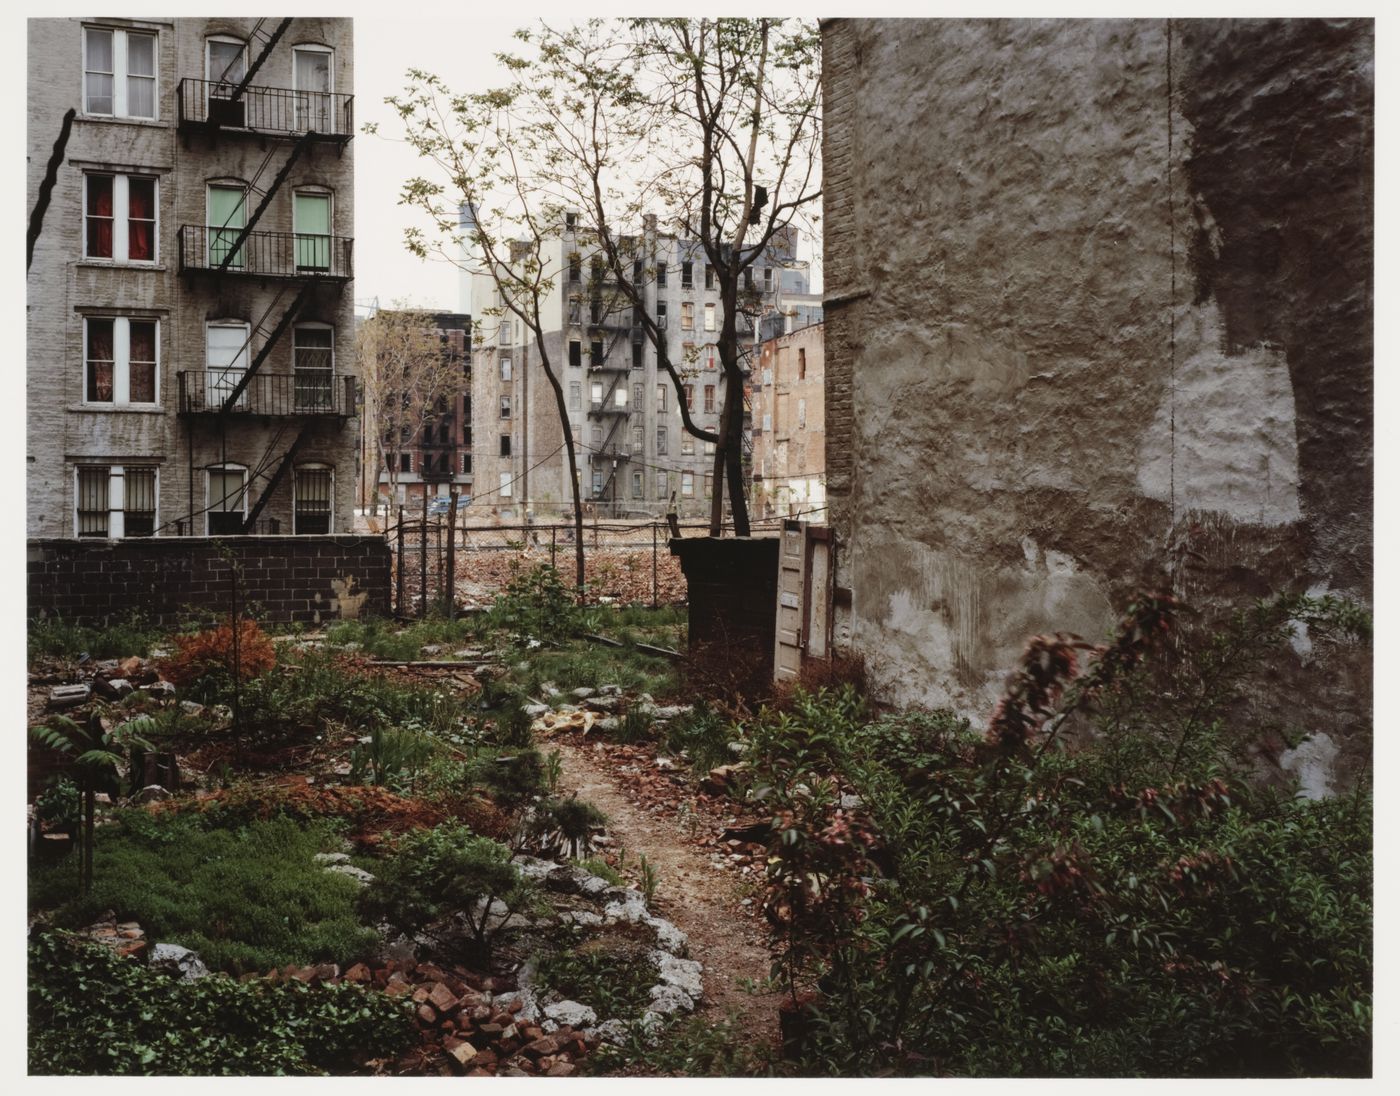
(704, 734)
(60, 805)
(1002, 905)
(565, 826)
(212, 651)
(91, 1012)
(393, 757)
(536, 605)
(613, 978)
(432, 875)
(510, 776)
(246, 899)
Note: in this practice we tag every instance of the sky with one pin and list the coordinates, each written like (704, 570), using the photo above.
(461, 50)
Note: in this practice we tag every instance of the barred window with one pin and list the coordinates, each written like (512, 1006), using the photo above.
(139, 502)
(312, 500)
(93, 512)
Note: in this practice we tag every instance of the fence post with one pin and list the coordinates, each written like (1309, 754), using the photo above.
(398, 607)
(452, 558)
(423, 561)
(553, 537)
(437, 556)
(654, 600)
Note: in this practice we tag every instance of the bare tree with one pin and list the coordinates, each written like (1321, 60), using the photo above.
(409, 379)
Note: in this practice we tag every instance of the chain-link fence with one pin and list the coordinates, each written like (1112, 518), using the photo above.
(463, 565)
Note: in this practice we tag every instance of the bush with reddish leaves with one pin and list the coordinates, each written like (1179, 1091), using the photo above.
(214, 651)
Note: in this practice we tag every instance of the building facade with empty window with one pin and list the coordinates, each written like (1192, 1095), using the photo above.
(789, 426)
(635, 457)
(190, 326)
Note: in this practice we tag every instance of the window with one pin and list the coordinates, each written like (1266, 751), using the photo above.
(570, 220)
(638, 395)
(663, 485)
(661, 398)
(638, 271)
(709, 276)
(120, 215)
(688, 485)
(574, 271)
(595, 310)
(687, 275)
(597, 483)
(225, 62)
(595, 353)
(505, 407)
(121, 357)
(802, 363)
(505, 369)
(505, 445)
(505, 332)
(225, 359)
(313, 366)
(637, 362)
(660, 275)
(620, 397)
(660, 441)
(311, 223)
(710, 358)
(636, 485)
(687, 445)
(575, 310)
(115, 501)
(466, 464)
(709, 317)
(709, 449)
(226, 501)
(638, 438)
(661, 314)
(119, 72)
(405, 462)
(801, 414)
(596, 393)
(748, 277)
(768, 279)
(689, 391)
(596, 435)
(312, 82)
(710, 398)
(575, 396)
(505, 485)
(575, 353)
(227, 213)
(687, 316)
(709, 483)
(311, 499)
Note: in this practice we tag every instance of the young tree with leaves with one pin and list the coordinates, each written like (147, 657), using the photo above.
(712, 124)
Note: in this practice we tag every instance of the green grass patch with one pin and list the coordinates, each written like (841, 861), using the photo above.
(246, 899)
(580, 662)
(57, 638)
(612, 976)
(91, 1012)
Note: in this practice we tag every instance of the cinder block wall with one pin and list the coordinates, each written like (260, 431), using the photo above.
(1099, 318)
(304, 579)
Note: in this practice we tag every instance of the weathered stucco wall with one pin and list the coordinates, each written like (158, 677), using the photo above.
(1098, 318)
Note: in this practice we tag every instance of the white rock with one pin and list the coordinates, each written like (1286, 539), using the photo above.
(181, 963)
(573, 1013)
(684, 974)
(668, 999)
(331, 858)
(610, 690)
(667, 935)
(360, 876)
(583, 692)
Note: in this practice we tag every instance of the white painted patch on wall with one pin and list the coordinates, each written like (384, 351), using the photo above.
(1235, 450)
(1312, 764)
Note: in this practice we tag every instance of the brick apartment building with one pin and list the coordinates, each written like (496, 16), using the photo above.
(789, 432)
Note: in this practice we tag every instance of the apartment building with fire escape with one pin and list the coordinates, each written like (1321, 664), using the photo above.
(635, 457)
(190, 328)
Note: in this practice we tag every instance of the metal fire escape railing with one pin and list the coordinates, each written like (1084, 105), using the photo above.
(268, 343)
(278, 474)
(267, 197)
(268, 42)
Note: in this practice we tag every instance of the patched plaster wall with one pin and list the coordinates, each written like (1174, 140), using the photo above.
(1098, 319)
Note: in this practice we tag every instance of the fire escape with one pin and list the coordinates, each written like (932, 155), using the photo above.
(289, 125)
(608, 325)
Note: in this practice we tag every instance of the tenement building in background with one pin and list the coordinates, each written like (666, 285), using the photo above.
(635, 458)
(789, 435)
(1115, 335)
(190, 330)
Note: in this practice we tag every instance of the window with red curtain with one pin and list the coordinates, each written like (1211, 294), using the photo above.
(99, 216)
(141, 219)
(100, 361)
(143, 361)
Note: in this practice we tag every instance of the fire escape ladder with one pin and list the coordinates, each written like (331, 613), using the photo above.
(268, 42)
(275, 480)
(268, 343)
(267, 196)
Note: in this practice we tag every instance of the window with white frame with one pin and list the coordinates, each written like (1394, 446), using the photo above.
(597, 435)
(638, 438)
(596, 393)
(620, 397)
(709, 317)
(227, 212)
(505, 369)
(638, 395)
(505, 485)
(661, 398)
(311, 225)
(575, 396)
(663, 485)
(121, 359)
(505, 407)
(687, 316)
(225, 61)
(119, 72)
(313, 81)
(688, 485)
(119, 214)
(311, 499)
(115, 501)
(660, 441)
(687, 445)
(710, 398)
(313, 366)
(636, 485)
(226, 503)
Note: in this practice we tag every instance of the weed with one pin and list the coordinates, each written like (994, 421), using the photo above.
(696, 1047)
(703, 734)
(55, 637)
(216, 650)
(602, 869)
(649, 880)
(613, 978)
(393, 757)
(635, 726)
(565, 826)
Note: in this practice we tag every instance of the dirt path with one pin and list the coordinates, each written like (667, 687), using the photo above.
(703, 901)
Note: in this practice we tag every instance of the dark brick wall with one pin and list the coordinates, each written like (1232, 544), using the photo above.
(732, 586)
(285, 579)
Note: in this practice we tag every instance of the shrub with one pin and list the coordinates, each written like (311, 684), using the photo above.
(614, 978)
(432, 875)
(246, 899)
(213, 651)
(536, 605)
(511, 776)
(703, 734)
(565, 826)
(91, 1012)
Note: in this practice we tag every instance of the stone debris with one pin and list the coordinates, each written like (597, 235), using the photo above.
(178, 962)
(126, 938)
(69, 696)
(360, 876)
